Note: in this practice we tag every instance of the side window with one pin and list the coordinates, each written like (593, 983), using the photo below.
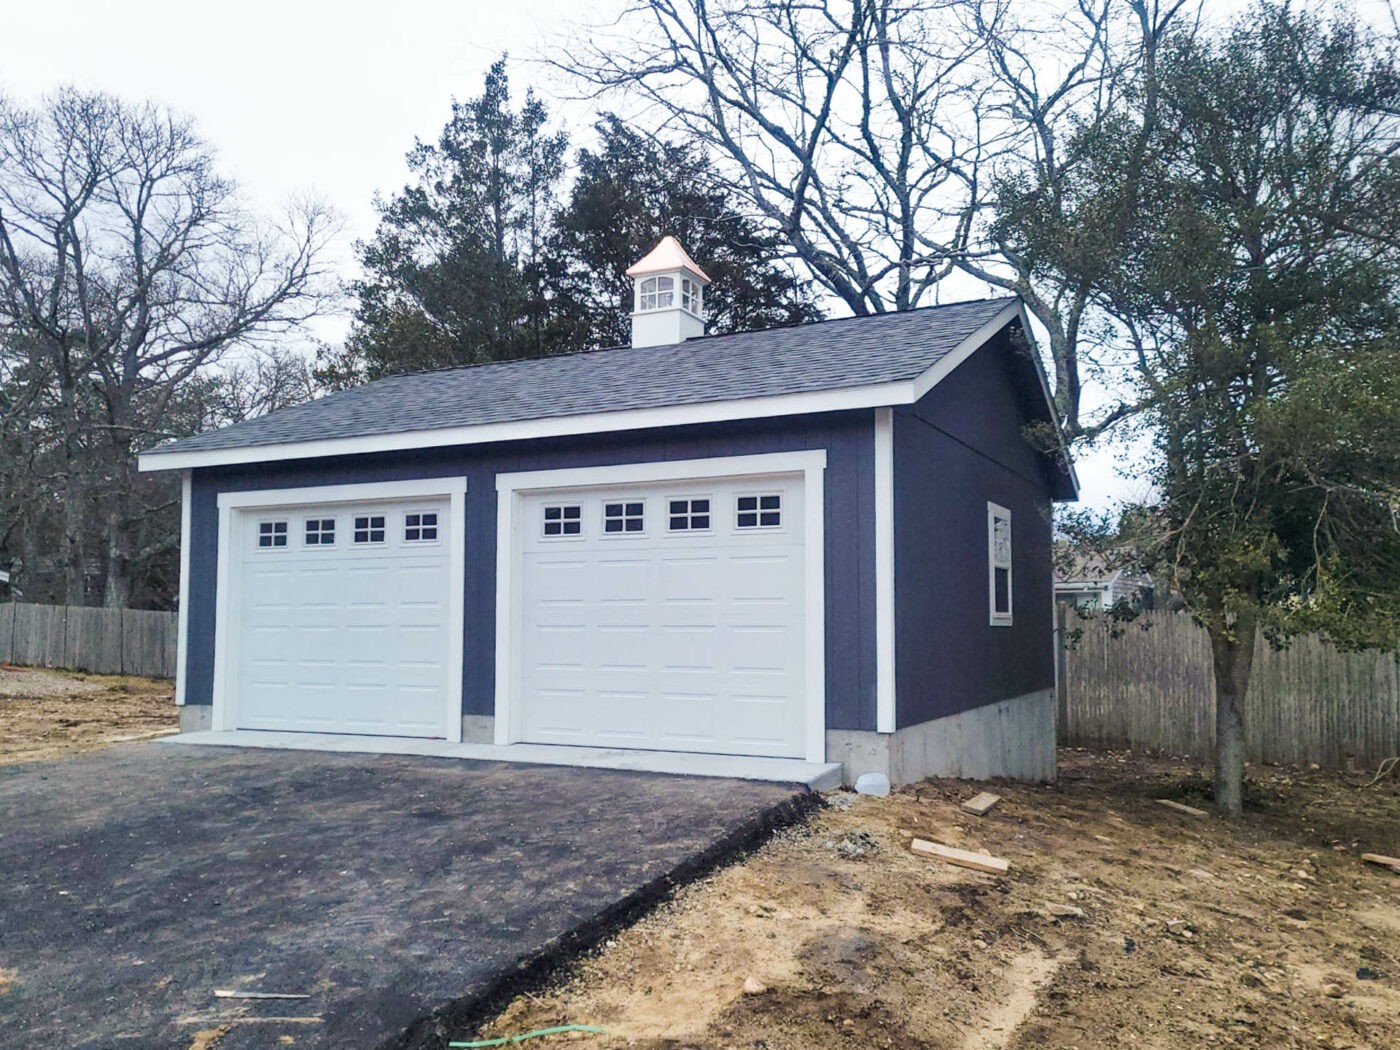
(624, 517)
(999, 564)
(688, 515)
(369, 528)
(320, 532)
(421, 527)
(563, 520)
(759, 512)
(272, 534)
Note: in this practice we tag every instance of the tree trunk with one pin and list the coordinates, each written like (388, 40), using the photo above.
(1232, 651)
(74, 500)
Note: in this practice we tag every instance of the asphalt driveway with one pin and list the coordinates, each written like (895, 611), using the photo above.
(392, 891)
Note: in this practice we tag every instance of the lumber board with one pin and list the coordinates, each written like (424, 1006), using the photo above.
(1386, 862)
(980, 803)
(961, 857)
(1182, 807)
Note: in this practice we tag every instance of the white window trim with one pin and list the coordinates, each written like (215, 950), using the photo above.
(604, 534)
(234, 507)
(759, 526)
(415, 544)
(511, 489)
(286, 535)
(565, 537)
(319, 546)
(995, 618)
(689, 515)
(370, 527)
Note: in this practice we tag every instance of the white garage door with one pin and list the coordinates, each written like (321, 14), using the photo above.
(339, 618)
(665, 617)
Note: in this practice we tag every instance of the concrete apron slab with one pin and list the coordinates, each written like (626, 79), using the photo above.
(819, 776)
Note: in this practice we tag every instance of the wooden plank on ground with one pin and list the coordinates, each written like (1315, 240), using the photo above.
(224, 993)
(961, 857)
(1386, 862)
(980, 803)
(1182, 808)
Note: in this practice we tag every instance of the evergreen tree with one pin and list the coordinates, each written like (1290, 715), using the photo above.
(454, 274)
(631, 191)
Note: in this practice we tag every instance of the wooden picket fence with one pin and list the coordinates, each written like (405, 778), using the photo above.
(102, 641)
(1148, 684)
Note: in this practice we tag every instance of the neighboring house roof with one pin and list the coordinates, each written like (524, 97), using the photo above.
(855, 362)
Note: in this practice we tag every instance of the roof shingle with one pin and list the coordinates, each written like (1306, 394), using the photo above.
(825, 355)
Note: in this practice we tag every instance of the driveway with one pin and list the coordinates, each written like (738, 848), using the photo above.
(392, 891)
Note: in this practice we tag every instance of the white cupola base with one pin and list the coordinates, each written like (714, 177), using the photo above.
(668, 296)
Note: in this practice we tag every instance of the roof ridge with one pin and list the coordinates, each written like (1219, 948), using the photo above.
(888, 314)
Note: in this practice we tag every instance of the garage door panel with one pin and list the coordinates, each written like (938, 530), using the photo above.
(663, 639)
(343, 637)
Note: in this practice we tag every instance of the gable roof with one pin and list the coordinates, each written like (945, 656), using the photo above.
(855, 362)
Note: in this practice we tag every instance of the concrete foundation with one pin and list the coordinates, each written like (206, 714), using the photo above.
(1014, 738)
(196, 718)
(478, 729)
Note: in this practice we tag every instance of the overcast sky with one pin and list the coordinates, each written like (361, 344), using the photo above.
(309, 94)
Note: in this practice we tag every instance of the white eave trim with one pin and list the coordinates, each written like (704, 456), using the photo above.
(881, 395)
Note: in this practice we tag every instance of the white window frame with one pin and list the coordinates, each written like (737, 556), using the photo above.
(653, 295)
(995, 617)
(236, 508)
(689, 514)
(562, 536)
(318, 521)
(369, 529)
(512, 488)
(272, 534)
(692, 299)
(436, 526)
(758, 526)
(625, 501)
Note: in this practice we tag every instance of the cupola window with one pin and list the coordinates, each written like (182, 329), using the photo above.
(690, 295)
(656, 293)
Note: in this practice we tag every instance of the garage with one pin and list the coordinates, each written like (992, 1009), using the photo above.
(668, 615)
(345, 612)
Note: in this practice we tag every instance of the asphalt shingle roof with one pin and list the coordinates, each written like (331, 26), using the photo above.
(825, 355)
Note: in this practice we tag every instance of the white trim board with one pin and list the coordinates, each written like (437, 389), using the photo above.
(224, 714)
(884, 572)
(880, 395)
(810, 464)
(182, 636)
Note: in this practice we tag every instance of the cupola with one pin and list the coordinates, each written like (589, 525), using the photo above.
(668, 296)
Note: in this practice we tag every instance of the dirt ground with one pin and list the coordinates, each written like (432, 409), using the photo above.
(1270, 932)
(49, 714)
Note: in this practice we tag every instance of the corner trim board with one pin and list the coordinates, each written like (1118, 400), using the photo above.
(811, 464)
(885, 714)
(231, 504)
(182, 636)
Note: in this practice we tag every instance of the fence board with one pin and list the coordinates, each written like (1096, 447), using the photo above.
(103, 641)
(7, 633)
(93, 640)
(149, 643)
(1148, 684)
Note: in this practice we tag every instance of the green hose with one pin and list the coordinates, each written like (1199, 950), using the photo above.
(534, 1035)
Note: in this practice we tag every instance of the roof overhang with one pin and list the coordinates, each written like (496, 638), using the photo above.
(880, 395)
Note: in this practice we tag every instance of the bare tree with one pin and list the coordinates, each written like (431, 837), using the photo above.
(127, 265)
(872, 135)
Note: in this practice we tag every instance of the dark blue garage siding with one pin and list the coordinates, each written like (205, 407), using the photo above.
(957, 449)
(850, 589)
